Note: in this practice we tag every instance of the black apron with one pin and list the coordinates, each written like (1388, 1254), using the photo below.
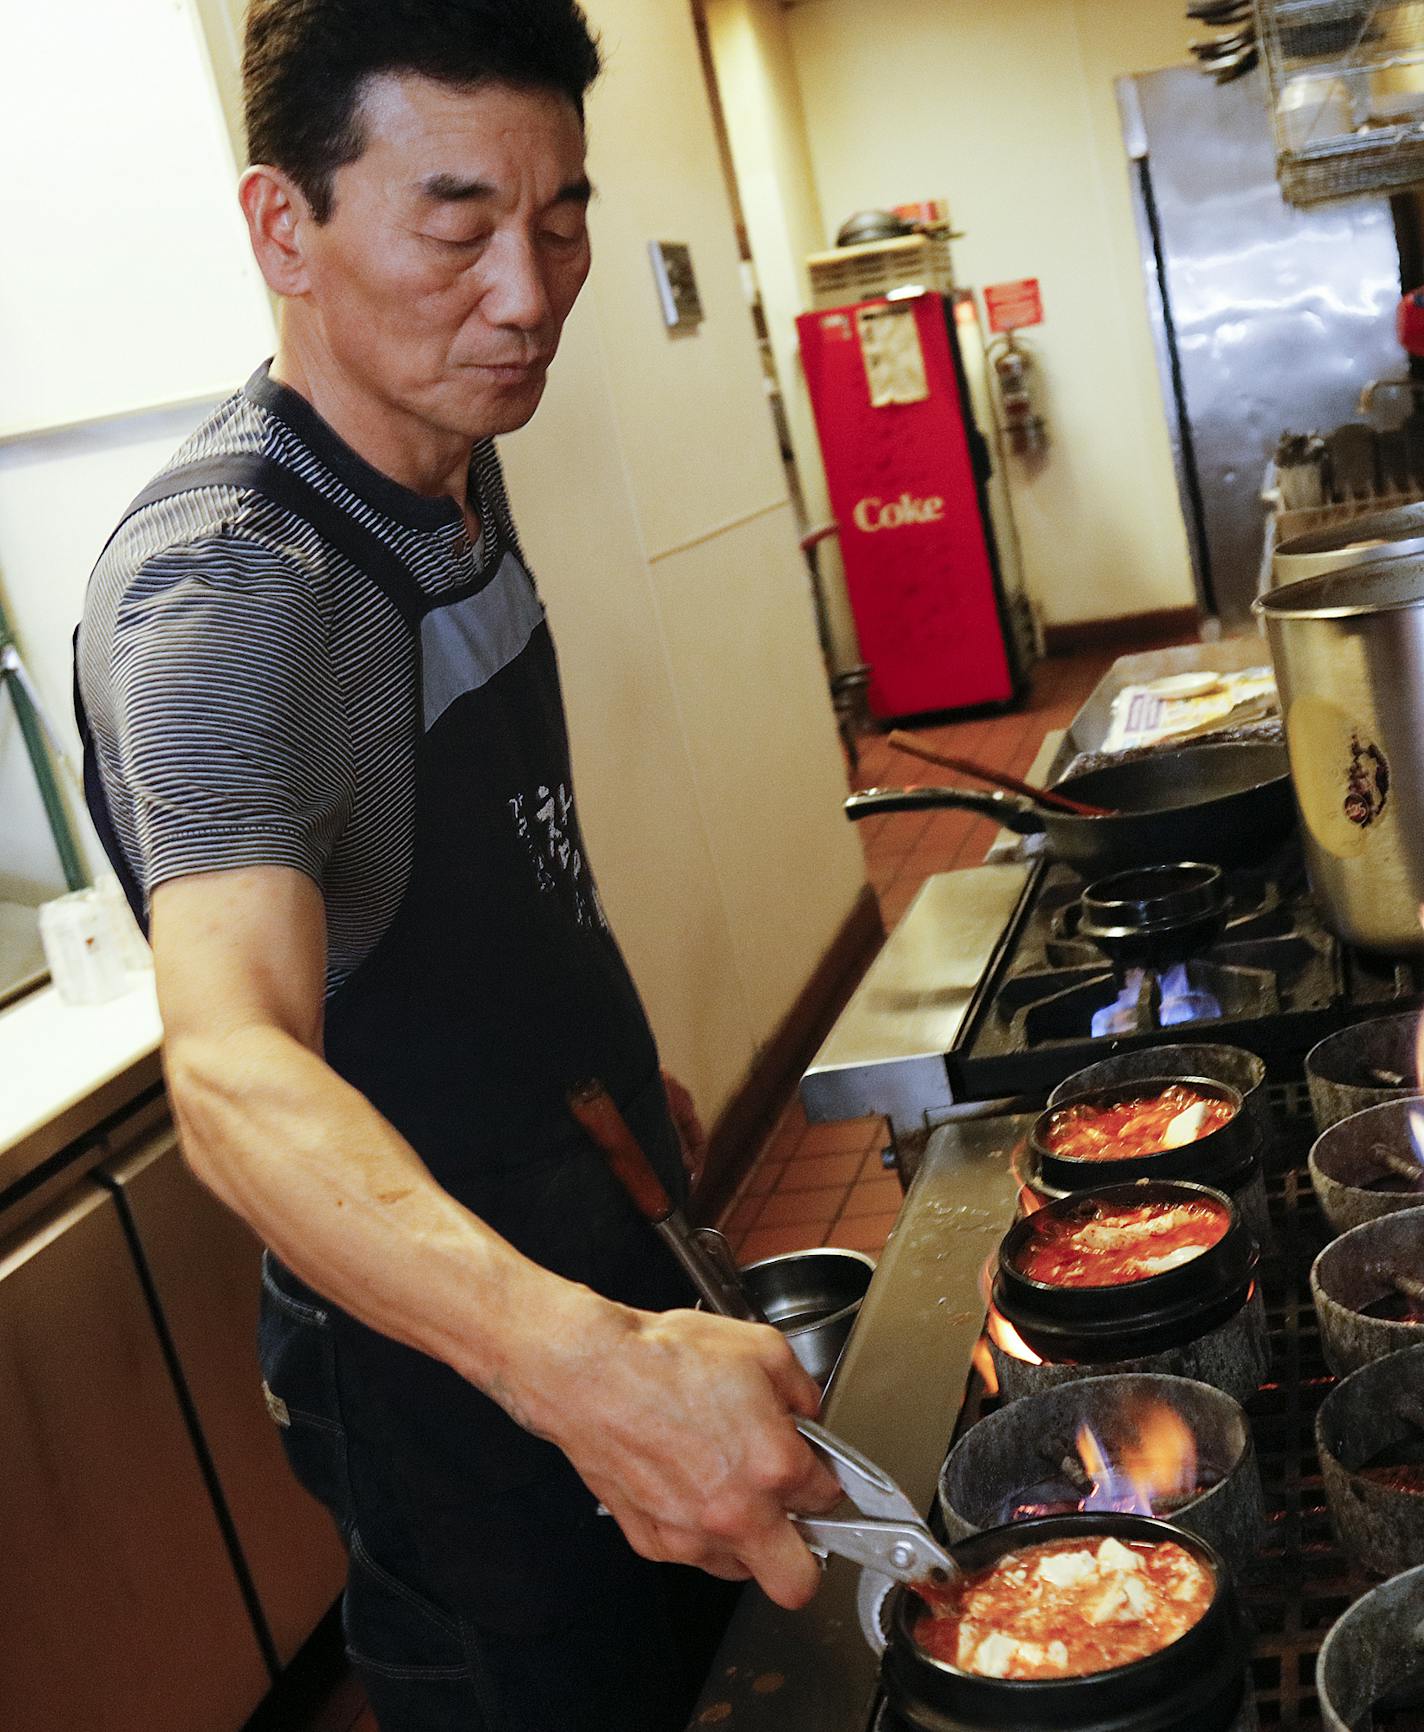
(496, 989)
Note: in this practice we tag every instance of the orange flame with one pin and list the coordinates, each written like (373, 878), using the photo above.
(1156, 1461)
(984, 1364)
(998, 1328)
(1091, 1455)
(1162, 1459)
(1008, 1340)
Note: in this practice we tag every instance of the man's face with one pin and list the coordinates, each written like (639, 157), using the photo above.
(456, 248)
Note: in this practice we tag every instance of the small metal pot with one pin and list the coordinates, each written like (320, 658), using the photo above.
(1345, 1070)
(813, 1298)
(1344, 1161)
(1368, 540)
(1196, 1684)
(1348, 650)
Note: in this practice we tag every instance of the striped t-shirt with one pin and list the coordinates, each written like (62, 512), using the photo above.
(253, 697)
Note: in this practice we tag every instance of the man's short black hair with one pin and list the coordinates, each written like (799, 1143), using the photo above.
(306, 64)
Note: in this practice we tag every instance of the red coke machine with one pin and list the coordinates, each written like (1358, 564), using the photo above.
(906, 468)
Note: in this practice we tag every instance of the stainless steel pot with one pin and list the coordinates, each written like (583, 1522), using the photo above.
(1369, 540)
(813, 1297)
(1348, 649)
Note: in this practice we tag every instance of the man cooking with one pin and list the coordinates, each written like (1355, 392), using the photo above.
(327, 755)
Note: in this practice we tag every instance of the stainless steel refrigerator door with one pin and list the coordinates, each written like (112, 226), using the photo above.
(1266, 318)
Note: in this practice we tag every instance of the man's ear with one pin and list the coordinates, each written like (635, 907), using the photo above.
(278, 216)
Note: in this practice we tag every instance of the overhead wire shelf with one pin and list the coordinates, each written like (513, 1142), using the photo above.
(1346, 82)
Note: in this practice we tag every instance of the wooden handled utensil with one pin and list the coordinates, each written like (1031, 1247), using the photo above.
(907, 743)
(715, 1278)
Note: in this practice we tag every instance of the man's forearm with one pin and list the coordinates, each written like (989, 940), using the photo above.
(349, 1206)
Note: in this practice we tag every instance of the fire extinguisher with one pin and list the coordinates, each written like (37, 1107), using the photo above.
(1023, 430)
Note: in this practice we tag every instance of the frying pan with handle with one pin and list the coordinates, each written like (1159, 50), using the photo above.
(1228, 804)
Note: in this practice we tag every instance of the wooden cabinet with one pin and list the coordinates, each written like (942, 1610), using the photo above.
(141, 1479)
(120, 1609)
(203, 1263)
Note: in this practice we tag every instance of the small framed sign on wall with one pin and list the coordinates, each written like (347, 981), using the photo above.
(677, 284)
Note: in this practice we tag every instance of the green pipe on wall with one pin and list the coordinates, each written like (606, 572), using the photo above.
(35, 744)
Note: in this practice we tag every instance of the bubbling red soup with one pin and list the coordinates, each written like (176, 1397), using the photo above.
(1144, 1125)
(1067, 1608)
(1110, 1244)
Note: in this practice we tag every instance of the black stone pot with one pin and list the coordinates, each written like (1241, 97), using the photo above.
(1227, 1158)
(1227, 1064)
(1156, 915)
(1132, 1319)
(1196, 1684)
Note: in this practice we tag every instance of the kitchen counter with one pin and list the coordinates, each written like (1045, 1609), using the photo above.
(65, 1069)
(895, 1396)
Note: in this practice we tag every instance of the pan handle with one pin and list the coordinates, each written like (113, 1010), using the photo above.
(1013, 814)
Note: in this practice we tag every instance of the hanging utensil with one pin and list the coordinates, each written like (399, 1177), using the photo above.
(708, 1265)
(903, 742)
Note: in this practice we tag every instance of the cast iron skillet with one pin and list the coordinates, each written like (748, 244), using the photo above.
(1227, 804)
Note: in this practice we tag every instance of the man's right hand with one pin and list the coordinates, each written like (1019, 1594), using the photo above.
(683, 1425)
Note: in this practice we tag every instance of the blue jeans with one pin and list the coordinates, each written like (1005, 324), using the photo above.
(623, 1649)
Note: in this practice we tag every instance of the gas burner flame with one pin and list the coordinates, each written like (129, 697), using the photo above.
(997, 1327)
(1008, 1340)
(983, 1362)
(1156, 1463)
(1180, 1002)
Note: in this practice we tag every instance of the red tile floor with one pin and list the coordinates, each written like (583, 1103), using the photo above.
(825, 1184)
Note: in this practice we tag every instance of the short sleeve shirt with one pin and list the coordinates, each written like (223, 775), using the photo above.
(252, 695)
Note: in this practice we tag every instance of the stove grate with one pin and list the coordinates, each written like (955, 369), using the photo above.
(1302, 1581)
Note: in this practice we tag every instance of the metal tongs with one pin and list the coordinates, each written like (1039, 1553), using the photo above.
(889, 1540)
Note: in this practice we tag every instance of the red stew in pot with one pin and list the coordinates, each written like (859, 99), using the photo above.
(1145, 1125)
(1067, 1608)
(1114, 1243)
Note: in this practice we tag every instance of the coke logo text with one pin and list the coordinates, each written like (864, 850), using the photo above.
(873, 515)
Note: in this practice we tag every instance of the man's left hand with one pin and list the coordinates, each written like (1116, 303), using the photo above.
(689, 1127)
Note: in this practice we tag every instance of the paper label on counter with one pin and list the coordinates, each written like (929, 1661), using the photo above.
(1149, 714)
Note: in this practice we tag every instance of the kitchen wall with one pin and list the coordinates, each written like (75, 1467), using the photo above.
(711, 775)
(765, 129)
(134, 289)
(1013, 119)
(652, 501)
